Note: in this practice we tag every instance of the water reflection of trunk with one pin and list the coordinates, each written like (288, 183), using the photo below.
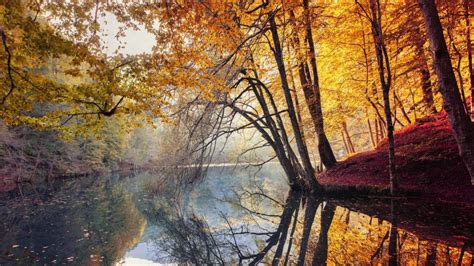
(292, 233)
(393, 235)
(284, 233)
(280, 236)
(309, 215)
(292, 203)
(431, 256)
(320, 255)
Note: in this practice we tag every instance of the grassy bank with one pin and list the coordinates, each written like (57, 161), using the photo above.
(427, 162)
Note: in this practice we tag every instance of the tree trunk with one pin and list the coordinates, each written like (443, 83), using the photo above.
(425, 78)
(348, 138)
(371, 134)
(296, 99)
(457, 67)
(459, 120)
(323, 143)
(324, 147)
(346, 148)
(298, 107)
(385, 81)
(309, 95)
(383, 132)
(377, 134)
(469, 52)
(399, 103)
(309, 177)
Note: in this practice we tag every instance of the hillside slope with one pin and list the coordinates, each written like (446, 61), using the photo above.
(427, 162)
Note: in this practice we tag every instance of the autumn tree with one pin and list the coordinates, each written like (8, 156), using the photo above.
(469, 51)
(374, 15)
(459, 119)
(314, 99)
(59, 66)
(416, 39)
(219, 68)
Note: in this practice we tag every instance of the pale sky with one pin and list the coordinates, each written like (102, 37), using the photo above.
(135, 42)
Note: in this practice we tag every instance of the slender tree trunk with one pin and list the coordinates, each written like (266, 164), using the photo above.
(305, 80)
(309, 177)
(324, 147)
(345, 143)
(457, 67)
(385, 81)
(296, 99)
(377, 134)
(383, 132)
(277, 128)
(348, 138)
(460, 122)
(298, 107)
(391, 144)
(400, 105)
(371, 134)
(469, 52)
(424, 71)
(308, 92)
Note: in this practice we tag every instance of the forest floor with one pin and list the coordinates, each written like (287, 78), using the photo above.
(427, 162)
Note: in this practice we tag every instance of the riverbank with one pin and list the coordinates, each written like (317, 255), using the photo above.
(13, 181)
(427, 162)
(428, 165)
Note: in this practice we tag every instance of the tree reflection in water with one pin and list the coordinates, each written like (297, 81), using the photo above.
(88, 221)
(393, 236)
(187, 239)
(301, 231)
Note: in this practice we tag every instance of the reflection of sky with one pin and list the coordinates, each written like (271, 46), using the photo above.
(206, 201)
(108, 214)
(137, 261)
(139, 255)
(144, 253)
(221, 183)
(353, 235)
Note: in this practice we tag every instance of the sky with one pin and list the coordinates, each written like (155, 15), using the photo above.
(135, 42)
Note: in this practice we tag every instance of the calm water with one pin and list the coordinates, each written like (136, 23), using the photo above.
(234, 215)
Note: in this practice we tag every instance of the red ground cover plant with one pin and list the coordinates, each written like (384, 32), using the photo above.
(427, 161)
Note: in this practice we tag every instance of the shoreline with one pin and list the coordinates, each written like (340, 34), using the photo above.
(428, 167)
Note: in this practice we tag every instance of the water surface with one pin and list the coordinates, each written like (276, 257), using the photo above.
(234, 215)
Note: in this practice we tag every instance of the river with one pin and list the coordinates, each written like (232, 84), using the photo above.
(228, 215)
